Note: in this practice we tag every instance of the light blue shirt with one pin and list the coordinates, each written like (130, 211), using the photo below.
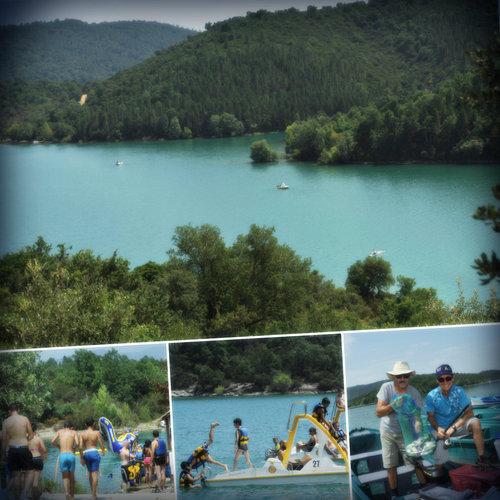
(446, 409)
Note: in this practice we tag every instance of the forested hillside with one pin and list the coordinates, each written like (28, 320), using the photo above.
(424, 383)
(278, 365)
(73, 50)
(266, 70)
(206, 288)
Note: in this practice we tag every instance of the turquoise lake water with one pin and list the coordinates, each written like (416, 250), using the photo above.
(364, 416)
(264, 417)
(110, 475)
(419, 214)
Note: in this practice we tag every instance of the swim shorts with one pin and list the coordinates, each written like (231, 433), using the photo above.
(67, 462)
(92, 459)
(160, 459)
(243, 447)
(19, 458)
(148, 460)
(37, 463)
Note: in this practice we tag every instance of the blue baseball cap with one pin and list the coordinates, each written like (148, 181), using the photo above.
(444, 370)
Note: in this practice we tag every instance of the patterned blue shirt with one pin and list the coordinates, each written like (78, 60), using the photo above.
(446, 409)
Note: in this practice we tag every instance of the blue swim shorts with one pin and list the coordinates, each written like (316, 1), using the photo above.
(67, 462)
(92, 460)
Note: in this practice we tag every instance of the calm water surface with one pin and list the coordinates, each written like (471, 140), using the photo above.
(264, 417)
(419, 214)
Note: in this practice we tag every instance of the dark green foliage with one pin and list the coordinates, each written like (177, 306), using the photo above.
(205, 289)
(372, 278)
(85, 385)
(489, 267)
(74, 50)
(261, 152)
(277, 365)
(225, 125)
(270, 69)
(424, 384)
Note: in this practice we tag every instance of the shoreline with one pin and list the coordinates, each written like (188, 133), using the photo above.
(47, 432)
(492, 161)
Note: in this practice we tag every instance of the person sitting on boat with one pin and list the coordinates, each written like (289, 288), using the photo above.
(200, 455)
(320, 412)
(186, 479)
(296, 464)
(313, 440)
(391, 436)
(241, 443)
(450, 414)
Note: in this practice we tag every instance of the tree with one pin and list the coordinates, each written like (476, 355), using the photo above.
(371, 278)
(489, 267)
(261, 152)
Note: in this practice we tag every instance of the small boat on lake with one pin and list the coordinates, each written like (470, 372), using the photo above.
(376, 253)
(326, 462)
(369, 478)
(119, 163)
(283, 186)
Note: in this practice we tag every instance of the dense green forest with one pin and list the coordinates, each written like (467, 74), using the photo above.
(267, 70)
(424, 383)
(84, 385)
(74, 50)
(277, 365)
(206, 289)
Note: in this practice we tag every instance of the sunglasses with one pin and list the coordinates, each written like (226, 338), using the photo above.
(405, 376)
(444, 379)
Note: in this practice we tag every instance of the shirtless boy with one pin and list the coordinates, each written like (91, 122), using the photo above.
(16, 431)
(68, 441)
(89, 454)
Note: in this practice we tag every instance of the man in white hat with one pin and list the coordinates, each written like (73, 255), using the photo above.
(390, 431)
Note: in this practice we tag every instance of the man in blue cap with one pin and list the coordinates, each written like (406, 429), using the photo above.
(450, 414)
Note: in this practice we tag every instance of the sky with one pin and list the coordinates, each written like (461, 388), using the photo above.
(469, 349)
(137, 351)
(186, 13)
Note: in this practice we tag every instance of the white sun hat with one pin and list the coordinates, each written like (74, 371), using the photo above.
(400, 368)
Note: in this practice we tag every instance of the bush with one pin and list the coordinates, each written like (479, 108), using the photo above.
(281, 382)
(261, 152)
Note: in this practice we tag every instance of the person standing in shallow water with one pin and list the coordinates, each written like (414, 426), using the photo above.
(16, 431)
(391, 436)
(39, 453)
(66, 439)
(160, 457)
(89, 454)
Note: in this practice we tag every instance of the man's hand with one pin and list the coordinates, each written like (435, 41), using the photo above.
(441, 433)
(214, 424)
(450, 432)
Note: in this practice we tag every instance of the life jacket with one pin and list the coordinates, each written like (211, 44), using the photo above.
(243, 436)
(316, 411)
(161, 449)
(198, 457)
(184, 481)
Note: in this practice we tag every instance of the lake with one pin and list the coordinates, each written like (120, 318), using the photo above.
(364, 416)
(264, 417)
(110, 474)
(421, 215)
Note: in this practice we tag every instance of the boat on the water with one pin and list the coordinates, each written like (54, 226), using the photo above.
(119, 163)
(369, 478)
(376, 253)
(283, 186)
(327, 462)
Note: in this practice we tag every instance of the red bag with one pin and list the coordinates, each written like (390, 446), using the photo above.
(475, 479)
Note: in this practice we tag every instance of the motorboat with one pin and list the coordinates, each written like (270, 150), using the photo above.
(369, 478)
(327, 462)
(283, 186)
(376, 253)
(119, 163)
